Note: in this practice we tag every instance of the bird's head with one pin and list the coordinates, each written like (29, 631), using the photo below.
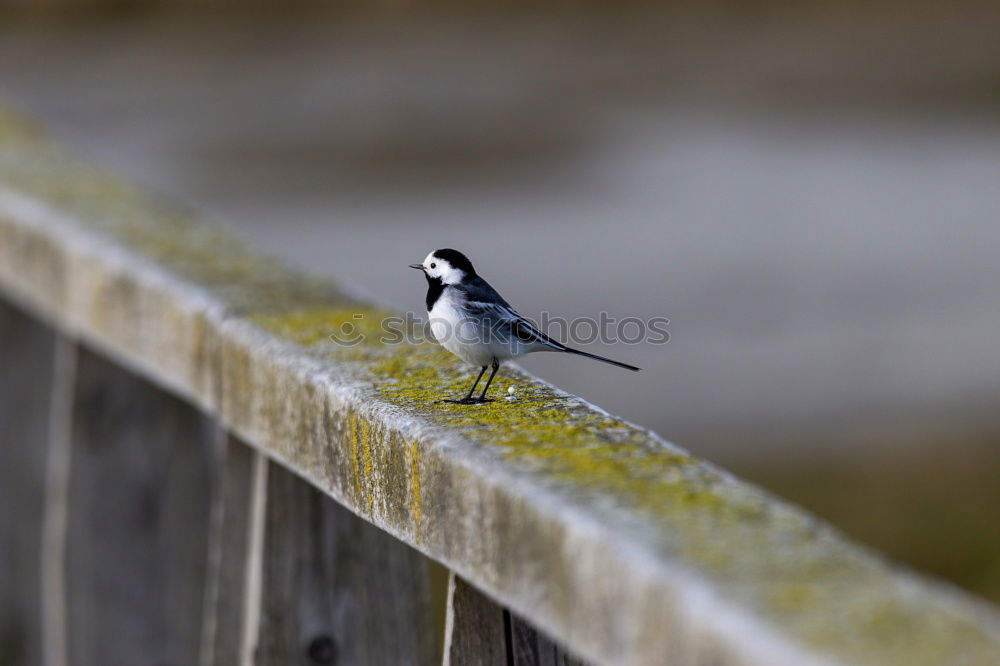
(448, 266)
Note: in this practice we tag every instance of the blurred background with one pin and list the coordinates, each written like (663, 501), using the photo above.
(809, 191)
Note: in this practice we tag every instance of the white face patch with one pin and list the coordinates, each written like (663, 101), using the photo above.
(440, 268)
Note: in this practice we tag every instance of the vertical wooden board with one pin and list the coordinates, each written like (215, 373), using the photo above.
(531, 648)
(482, 633)
(337, 590)
(27, 350)
(476, 627)
(223, 624)
(138, 521)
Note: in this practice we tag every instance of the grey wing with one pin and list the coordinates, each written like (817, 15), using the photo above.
(481, 291)
(483, 301)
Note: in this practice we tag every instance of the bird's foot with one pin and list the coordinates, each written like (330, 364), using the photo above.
(468, 401)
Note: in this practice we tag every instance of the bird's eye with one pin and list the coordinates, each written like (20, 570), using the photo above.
(433, 265)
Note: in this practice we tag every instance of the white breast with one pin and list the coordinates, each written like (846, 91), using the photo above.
(459, 334)
(444, 317)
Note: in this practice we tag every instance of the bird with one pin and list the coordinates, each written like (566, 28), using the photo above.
(469, 318)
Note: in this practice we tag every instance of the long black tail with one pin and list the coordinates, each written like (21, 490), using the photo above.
(568, 350)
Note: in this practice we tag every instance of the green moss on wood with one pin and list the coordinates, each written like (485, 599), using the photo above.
(326, 325)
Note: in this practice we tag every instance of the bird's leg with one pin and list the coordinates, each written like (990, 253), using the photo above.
(496, 366)
(472, 390)
(468, 400)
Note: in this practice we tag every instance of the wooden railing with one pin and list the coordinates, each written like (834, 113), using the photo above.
(193, 472)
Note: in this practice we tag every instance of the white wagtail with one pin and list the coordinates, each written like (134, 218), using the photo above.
(472, 321)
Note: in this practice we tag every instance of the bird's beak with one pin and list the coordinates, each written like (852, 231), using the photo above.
(419, 267)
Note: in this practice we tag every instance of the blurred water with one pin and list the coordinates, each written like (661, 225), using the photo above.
(827, 259)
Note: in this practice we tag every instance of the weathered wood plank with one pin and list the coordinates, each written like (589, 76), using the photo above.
(222, 628)
(476, 627)
(26, 370)
(138, 521)
(252, 592)
(530, 648)
(55, 522)
(480, 632)
(337, 590)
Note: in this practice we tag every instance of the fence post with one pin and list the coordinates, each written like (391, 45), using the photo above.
(26, 375)
(55, 646)
(338, 590)
(137, 525)
(479, 632)
(476, 629)
(531, 648)
(222, 628)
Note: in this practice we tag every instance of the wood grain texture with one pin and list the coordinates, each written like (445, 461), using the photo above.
(476, 627)
(26, 357)
(337, 590)
(222, 628)
(138, 521)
